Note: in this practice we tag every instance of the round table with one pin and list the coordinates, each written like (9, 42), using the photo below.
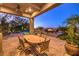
(34, 39)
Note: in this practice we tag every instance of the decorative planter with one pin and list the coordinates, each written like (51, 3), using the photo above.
(72, 50)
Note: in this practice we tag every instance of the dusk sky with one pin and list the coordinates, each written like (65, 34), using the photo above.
(56, 17)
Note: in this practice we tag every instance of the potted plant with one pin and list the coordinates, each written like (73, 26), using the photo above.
(72, 42)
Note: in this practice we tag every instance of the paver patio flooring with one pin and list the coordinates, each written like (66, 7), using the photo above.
(56, 46)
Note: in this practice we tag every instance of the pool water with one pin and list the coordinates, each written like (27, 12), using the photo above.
(26, 32)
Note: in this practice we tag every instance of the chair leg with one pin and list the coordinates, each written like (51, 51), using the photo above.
(34, 51)
(27, 52)
(18, 53)
(44, 54)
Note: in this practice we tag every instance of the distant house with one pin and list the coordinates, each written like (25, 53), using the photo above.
(49, 30)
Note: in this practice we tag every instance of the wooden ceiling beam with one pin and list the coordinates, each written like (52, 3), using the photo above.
(38, 11)
(47, 7)
(5, 9)
(26, 15)
(34, 5)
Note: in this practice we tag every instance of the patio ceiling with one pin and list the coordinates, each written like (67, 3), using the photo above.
(27, 9)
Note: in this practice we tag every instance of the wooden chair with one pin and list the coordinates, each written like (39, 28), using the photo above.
(35, 52)
(23, 47)
(32, 48)
(43, 47)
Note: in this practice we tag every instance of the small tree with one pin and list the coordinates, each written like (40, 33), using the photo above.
(72, 23)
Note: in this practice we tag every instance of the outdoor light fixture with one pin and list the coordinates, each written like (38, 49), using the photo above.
(29, 9)
(18, 10)
(26, 10)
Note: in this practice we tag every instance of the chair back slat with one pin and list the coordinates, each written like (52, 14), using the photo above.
(21, 43)
(44, 46)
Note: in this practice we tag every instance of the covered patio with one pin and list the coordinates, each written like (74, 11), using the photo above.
(29, 10)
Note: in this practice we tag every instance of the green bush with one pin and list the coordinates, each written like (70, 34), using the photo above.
(71, 31)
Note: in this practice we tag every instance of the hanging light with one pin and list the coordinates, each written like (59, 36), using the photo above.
(30, 9)
(18, 10)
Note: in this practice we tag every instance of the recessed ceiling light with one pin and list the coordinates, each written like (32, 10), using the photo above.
(26, 10)
(30, 9)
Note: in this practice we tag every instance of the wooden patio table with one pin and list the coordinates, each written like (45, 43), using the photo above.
(34, 39)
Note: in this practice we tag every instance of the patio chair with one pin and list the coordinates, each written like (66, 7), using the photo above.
(23, 47)
(43, 47)
(35, 52)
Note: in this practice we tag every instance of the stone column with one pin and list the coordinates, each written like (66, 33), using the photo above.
(1, 51)
(31, 25)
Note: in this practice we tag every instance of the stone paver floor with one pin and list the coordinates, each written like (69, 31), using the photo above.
(56, 46)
